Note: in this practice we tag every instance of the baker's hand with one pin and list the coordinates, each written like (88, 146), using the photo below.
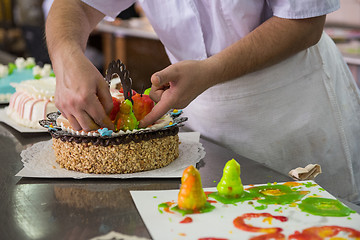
(82, 95)
(176, 86)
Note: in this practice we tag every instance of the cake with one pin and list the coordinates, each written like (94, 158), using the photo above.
(32, 101)
(22, 69)
(127, 149)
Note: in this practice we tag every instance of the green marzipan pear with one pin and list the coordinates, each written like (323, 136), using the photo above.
(230, 185)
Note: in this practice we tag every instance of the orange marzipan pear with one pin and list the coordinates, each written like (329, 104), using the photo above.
(191, 195)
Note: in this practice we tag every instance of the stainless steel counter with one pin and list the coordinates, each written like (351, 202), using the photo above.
(33, 208)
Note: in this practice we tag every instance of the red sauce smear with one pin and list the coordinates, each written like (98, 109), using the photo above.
(207, 193)
(187, 220)
(318, 233)
(239, 223)
(210, 238)
(166, 206)
(272, 236)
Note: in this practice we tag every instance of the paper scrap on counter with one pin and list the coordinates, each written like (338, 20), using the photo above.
(307, 173)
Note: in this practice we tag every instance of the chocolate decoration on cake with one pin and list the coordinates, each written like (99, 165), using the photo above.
(137, 136)
(118, 68)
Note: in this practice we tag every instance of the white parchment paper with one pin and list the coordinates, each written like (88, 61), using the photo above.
(7, 120)
(218, 224)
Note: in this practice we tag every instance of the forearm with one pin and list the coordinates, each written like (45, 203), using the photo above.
(68, 26)
(270, 43)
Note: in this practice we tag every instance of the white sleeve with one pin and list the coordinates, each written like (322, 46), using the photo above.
(110, 8)
(297, 9)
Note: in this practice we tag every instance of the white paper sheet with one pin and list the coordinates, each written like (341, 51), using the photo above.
(6, 119)
(39, 161)
(117, 236)
(219, 222)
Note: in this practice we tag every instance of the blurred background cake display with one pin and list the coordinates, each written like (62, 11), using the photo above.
(32, 101)
(22, 69)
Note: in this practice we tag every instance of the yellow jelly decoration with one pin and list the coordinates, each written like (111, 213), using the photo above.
(191, 195)
(230, 185)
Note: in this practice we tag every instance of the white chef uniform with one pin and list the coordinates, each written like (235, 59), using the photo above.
(303, 110)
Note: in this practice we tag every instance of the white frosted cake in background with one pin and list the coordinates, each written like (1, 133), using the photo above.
(32, 101)
(21, 70)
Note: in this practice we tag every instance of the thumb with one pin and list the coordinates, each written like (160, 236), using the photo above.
(156, 113)
(163, 77)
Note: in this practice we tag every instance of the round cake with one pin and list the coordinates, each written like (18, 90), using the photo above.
(32, 101)
(115, 152)
(128, 148)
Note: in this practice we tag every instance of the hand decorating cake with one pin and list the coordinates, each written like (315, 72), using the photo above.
(127, 149)
(22, 69)
(32, 101)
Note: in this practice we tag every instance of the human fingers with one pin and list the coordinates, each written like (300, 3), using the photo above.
(104, 96)
(156, 90)
(98, 116)
(86, 122)
(157, 112)
(73, 122)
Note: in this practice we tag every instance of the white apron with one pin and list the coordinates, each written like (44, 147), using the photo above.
(303, 110)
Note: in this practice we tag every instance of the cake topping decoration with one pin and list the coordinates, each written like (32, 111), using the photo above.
(147, 91)
(12, 67)
(51, 127)
(143, 104)
(129, 108)
(4, 70)
(41, 72)
(105, 132)
(125, 118)
(176, 112)
(21, 63)
(171, 124)
(118, 68)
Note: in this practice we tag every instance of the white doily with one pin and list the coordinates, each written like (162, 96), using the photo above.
(40, 159)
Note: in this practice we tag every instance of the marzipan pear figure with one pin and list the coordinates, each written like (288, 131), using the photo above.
(230, 185)
(125, 118)
(191, 195)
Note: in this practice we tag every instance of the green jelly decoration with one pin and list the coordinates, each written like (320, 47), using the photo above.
(230, 185)
(125, 119)
(324, 207)
(30, 66)
(12, 67)
(147, 91)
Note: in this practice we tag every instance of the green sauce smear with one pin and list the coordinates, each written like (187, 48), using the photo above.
(277, 194)
(309, 184)
(324, 207)
(207, 208)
